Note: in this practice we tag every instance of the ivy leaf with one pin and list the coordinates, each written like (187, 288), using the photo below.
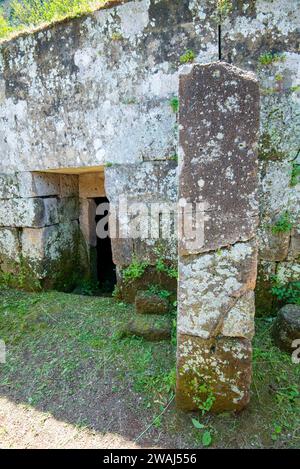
(206, 438)
(197, 424)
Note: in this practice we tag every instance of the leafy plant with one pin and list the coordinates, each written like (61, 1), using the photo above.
(197, 424)
(295, 176)
(171, 271)
(202, 395)
(135, 270)
(174, 103)
(188, 57)
(224, 8)
(268, 58)
(206, 438)
(5, 28)
(157, 290)
(283, 224)
(289, 293)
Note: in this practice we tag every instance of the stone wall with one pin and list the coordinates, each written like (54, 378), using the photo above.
(96, 90)
(39, 230)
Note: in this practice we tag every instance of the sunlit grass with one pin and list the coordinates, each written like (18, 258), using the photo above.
(27, 14)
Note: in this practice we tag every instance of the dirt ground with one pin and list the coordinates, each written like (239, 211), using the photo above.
(71, 381)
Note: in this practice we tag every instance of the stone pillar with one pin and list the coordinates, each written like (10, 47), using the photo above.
(219, 123)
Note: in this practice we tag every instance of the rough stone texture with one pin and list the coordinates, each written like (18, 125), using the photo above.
(221, 364)
(9, 249)
(87, 221)
(218, 121)
(150, 303)
(263, 296)
(294, 251)
(38, 184)
(218, 163)
(287, 272)
(286, 327)
(35, 212)
(47, 248)
(127, 289)
(274, 247)
(155, 186)
(69, 185)
(209, 287)
(150, 328)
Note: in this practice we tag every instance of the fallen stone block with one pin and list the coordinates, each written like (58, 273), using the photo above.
(150, 303)
(151, 328)
(286, 328)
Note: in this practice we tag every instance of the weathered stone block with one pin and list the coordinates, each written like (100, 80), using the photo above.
(144, 182)
(149, 328)
(87, 221)
(264, 299)
(68, 209)
(286, 327)
(150, 303)
(219, 368)
(9, 249)
(219, 123)
(91, 185)
(34, 212)
(239, 321)
(48, 249)
(288, 272)
(273, 247)
(9, 186)
(294, 251)
(69, 185)
(33, 184)
(128, 288)
(209, 286)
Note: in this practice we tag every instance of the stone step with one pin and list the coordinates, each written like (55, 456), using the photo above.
(150, 303)
(150, 327)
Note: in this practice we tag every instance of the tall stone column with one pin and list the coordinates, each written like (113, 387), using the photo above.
(219, 124)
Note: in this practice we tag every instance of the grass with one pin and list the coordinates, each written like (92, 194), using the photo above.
(66, 358)
(27, 14)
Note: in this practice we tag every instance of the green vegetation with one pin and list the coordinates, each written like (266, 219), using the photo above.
(295, 89)
(269, 58)
(26, 14)
(223, 9)
(284, 223)
(21, 276)
(188, 57)
(287, 293)
(135, 270)
(295, 176)
(157, 290)
(170, 270)
(66, 358)
(174, 103)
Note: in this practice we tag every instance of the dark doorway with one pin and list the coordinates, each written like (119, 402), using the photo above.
(106, 269)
